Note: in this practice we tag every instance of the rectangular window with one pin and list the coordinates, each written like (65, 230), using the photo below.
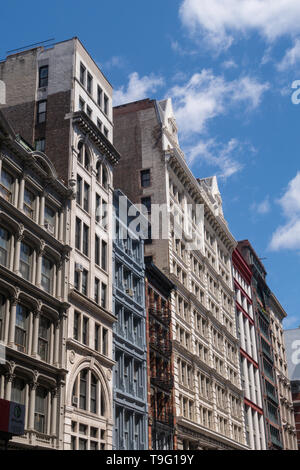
(76, 325)
(18, 391)
(49, 218)
(84, 282)
(43, 76)
(104, 341)
(106, 104)
(97, 333)
(40, 145)
(105, 132)
(104, 255)
(40, 410)
(81, 104)
(99, 125)
(82, 74)
(25, 261)
(4, 246)
(2, 314)
(89, 112)
(146, 201)
(43, 342)
(89, 86)
(41, 111)
(47, 268)
(99, 96)
(86, 197)
(28, 205)
(79, 190)
(96, 293)
(103, 295)
(85, 240)
(78, 234)
(145, 178)
(85, 330)
(6, 185)
(76, 279)
(21, 328)
(97, 250)
(98, 208)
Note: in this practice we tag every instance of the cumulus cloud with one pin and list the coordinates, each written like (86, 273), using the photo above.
(205, 96)
(262, 207)
(221, 21)
(137, 88)
(292, 56)
(288, 236)
(222, 156)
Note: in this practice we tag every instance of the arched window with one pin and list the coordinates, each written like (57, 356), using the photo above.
(84, 156)
(4, 246)
(88, 393)
(102, 174)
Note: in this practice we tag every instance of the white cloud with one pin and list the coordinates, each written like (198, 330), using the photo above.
(262, 207)
(288, 236)
(221, 21)
(137, 88)
(115, 61)
(221, 156)
(292, 56)
(206, 96)
(229, 64)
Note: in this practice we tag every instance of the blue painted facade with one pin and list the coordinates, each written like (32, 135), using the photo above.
(129, 344)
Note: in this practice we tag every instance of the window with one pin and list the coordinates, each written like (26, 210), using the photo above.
(18, 391)
(76, 325)
(41, 111)
(81, 104)
(105, 132)
(25, 261)
(82, 74)
(2, 314)
(44, 335)
(86, 197)
(99, 96)
(104, 341)
(103, 295)
(79, 190)
(40, 145)
(106, 104)
(49, 218)
(104, 255)
(40, 415)
(85, 241)
(96, 293)
(146, 201)
(89, 112)
(28, 205)
(83, 155)
(43, 76)
(84, 285)
(89, 86)
(78, 234)
(99, 124)
(145, 178)
(87, 385)
(97, 250)
(21, 329)
(47, 268)
(4, 246)
(6, 185)
(97, 337)
(85, 330)
(104, 177)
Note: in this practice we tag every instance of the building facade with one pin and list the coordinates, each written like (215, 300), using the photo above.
(289, 435)
(254, 418)
(261, 303)
(61, 103)
(160, 369)
(34, 306)
(153, 171)
(130, 346)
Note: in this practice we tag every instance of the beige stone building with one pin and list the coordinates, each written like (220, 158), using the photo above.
(277, 315)
(153, 170)
(34, 267)
(61, 103)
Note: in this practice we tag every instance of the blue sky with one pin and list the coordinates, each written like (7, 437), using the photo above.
(229, 66)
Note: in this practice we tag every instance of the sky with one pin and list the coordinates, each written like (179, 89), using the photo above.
(231, 68)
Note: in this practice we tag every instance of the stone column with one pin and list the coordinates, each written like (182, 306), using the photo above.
(37, 210)
(9, 380)
(262, 432)
(56, 343)
(42, 209)
(38, 280)
(242, 332)
(12, 322)
(54, 394)
(61, 225)
(35, 336)
(31, 410)
(21, 193)
(18, 239)
(246, 377)
(250, 426)
(257, 431)
(7, 319)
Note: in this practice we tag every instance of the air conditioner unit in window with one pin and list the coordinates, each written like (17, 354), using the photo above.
(75, 401)
(49, 227)
(78, 268)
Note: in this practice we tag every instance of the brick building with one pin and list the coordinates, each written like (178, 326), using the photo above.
(158, 290)
(208, 394)
(59, 100)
